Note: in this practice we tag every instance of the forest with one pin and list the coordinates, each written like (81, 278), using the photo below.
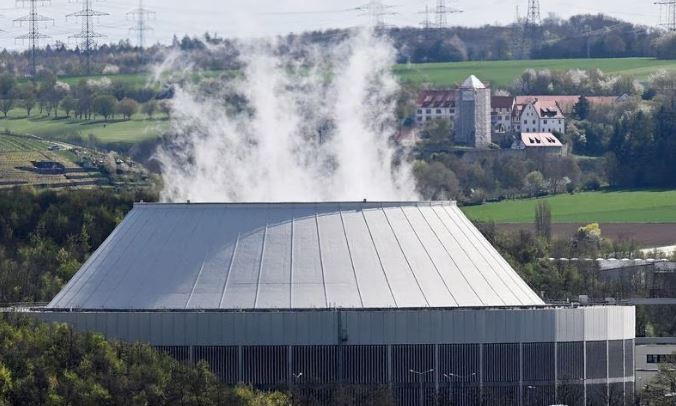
(53, 365)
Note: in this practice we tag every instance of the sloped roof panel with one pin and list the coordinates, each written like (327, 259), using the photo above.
(295, 256)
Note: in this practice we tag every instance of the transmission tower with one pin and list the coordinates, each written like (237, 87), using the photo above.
(531, 28)
(668, 14)
(427, 22)
(33, 36)
(141, 16)
(533, 17)
(441, 12)
(376, 11)
(87, 35)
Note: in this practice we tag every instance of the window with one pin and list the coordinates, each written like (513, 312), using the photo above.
(419, 111)
(661, 358)
(438, 111)
(429, 111)
(533, 121)
(545, 121)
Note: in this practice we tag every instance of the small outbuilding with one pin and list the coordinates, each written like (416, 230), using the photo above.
(539, 143)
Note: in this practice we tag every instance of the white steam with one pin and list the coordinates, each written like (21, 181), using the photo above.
(313, 129)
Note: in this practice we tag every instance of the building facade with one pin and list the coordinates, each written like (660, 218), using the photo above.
(572, 356)
(435, 105)
(651, 352)
(539, 117)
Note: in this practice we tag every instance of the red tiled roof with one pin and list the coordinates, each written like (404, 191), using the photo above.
(502, 102)
(446, 99)
(548, 109)
(567, 103)
(436, 99)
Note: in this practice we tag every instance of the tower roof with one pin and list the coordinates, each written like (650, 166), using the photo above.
(295, 256)
(472, 82)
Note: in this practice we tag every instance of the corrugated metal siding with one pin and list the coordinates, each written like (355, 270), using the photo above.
(354, 327)
(295, 256)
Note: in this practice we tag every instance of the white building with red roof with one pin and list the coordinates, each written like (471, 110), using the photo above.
(538, 116)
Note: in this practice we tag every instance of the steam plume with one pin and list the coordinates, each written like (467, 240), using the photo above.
(312, 129)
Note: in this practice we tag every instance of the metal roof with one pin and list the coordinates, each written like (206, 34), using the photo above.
(472, 82)
(295, 256)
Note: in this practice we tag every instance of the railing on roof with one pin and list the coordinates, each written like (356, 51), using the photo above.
(23, 305)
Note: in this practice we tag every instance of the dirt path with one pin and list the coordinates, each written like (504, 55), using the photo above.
(647, 235)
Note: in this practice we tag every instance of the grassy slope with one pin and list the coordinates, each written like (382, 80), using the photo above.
(137, 129)
(502, 73)
(602, 207)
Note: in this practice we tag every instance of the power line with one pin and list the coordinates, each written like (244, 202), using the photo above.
(87, 35)
(141, 16)
(33, 36)
(669, 20)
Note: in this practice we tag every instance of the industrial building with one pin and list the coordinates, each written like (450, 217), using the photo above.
(403, 297)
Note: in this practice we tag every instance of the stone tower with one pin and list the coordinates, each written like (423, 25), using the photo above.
(473, 114)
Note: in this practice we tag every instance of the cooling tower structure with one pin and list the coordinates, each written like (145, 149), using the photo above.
(473, 114)
(407, 298)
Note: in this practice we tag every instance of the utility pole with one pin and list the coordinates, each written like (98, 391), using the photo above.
(141, 15)
(420, 375)
(87, 35)
(33, 36)
(669, 19)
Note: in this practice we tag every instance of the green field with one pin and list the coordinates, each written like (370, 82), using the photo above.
(500, 73)
(137, 129)
(503, 73)
(602, 207)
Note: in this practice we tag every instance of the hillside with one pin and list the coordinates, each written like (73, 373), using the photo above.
(141, 128)
(137, 129)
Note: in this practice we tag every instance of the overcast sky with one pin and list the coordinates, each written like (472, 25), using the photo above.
(269, 17)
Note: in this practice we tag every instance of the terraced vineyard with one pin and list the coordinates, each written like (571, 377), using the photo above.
(20, 144)
(17, 154)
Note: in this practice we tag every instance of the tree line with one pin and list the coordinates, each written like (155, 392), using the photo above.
(86, 100)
